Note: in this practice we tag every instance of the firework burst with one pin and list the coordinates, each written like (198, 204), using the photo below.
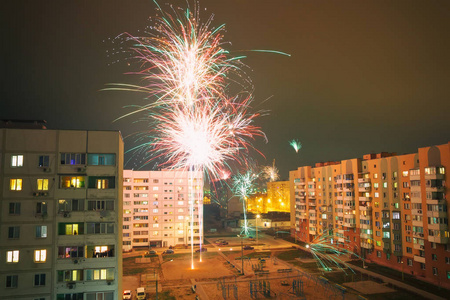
(296, 145)
(243, 187)
(271, 172)
(194, 123)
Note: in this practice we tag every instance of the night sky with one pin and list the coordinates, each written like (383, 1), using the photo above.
(364, 76)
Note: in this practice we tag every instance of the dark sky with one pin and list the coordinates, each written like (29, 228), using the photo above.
(364, 76)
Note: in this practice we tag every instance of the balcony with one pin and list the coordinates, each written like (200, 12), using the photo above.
(437, 226)
(365, 217)
(365, 236)
(417, 223)
(365, 226)
(416, 212)
(363, 189)
(418, 247)
(363, 180)
(435, 176)
(419, 259)
(312, 203)
(437, 214)
(366, 208)
(362, 198)
(366, 245)
(438, 239)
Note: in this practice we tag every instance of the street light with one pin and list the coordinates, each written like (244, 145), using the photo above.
(242, 252)
(256, 221)
(403, 278)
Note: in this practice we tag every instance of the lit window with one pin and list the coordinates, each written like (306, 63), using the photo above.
(40, 255)
(16, 184)
(102, 184)
(16, 161)
(12, 256)
(72, 182)
(42, 184)
(405, 173)
(155, 188)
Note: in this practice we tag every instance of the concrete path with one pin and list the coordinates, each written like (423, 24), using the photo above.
(199, 290)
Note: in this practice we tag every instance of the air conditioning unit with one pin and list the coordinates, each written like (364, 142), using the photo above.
(66, 215)
(47, 170)
(76, 261)
(71, 285)
(43, 194)
(36, 194)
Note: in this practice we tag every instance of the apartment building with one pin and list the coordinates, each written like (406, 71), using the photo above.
(60, 214)
(389, 209)
(156, 211)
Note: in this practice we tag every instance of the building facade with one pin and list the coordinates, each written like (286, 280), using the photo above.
(156, 210)
(389, 209)
(60, 214)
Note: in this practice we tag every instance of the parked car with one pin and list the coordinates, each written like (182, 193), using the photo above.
(168, 251)
(247, 247)
(222, 244)
(250, 238)
(150, 252)
(140, 293)
(126, 295)
(202, 250)
(219, 241)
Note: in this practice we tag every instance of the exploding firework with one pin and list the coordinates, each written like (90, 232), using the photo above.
(328, 254)
(296, 145)
(271, 172)
(194, 123)
(243, 187)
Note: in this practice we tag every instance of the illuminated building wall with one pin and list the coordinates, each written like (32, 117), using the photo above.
(61, 214)
(389, 209)
(277, 199)
(156, 208)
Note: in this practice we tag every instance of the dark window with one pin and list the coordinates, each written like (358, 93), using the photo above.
(13, 232)
(14, 208)
(12, 281)
(39, 279)
(44, 161)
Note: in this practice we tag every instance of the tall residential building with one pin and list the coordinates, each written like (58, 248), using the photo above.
(156, 211)
(389, 209)
(60, 214)
(276, 199)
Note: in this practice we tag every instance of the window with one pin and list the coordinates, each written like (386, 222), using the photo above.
(435, 271)
(44, 161)
(433, 256)
(42, 184)
(100, 228)
(41, 231)
(408, 250)
(72, 182)
(102, 159)
(100, 274)
(12, 256)
(100, 296)
(70, 228)
(396, 215)
(422, 266)
(410, 262)
(70, 251)
(39, 279)
(70, 275)
(73, 158)
(447, 260)
(41, 208)
(15, 184)
(16, 161)
(78, 296)
(13, 232)
(40, 255)
(378, 253)
(100, 205)
(11, 281)
(70, 205)
(102, 184)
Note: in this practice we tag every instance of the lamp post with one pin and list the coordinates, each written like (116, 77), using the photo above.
(256, 222)
(242, 252)
(403, 277)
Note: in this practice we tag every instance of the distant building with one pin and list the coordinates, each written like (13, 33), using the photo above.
(156, 208)
(60, 214)
(389, 209)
